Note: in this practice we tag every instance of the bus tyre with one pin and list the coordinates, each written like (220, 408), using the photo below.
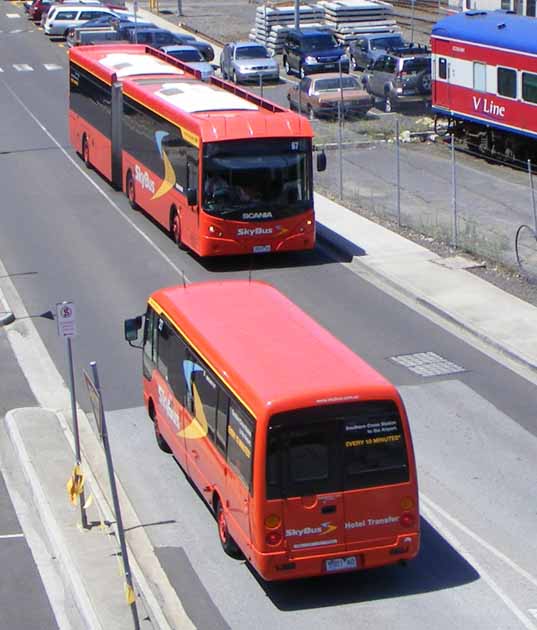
(131, 193)
(175, 229)
(85, 151)
(161, 442)
(226, 540)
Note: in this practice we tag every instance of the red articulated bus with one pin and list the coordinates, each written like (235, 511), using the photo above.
(301, 448)
(225, 171)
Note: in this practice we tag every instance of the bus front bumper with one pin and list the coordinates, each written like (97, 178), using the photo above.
(222, 246)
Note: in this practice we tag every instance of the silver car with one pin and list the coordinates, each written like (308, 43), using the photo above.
(62, 17)
(192, 57)
(248, 61)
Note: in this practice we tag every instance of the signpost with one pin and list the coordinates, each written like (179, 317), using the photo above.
(66, 322)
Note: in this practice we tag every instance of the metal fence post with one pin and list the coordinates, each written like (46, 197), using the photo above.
(340, 131)
(397, 173)
(532, 191)
(454, 193)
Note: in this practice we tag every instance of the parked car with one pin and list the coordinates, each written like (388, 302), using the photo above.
(248, 61)
(159, 37)
(191, 56)
(36, 8)
(309, 51)
(116, 26)
(323, 94)
(365, 50)
(61, 17)
(113, 5)
(401, 76)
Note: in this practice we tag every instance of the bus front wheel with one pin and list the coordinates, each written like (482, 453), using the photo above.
(226, 540)
(85, 151)
(131, 193)
(175, 228)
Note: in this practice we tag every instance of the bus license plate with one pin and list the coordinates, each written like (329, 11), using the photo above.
(261, 249)
(341, 564)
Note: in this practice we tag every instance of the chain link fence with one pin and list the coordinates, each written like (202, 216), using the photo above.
(438, 192)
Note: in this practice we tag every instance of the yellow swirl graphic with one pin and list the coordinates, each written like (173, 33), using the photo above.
(198, 427)
(169, 178)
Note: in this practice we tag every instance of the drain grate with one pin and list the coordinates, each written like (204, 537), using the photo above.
(427, 364)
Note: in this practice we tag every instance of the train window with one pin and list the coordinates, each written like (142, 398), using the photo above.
(529, 87)
(442, 67)
(506, 5)
(480, 77)
(507, 82)
(530, 8)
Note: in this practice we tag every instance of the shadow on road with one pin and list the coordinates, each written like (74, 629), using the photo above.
(438, 566)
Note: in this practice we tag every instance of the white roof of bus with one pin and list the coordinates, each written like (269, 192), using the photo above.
(200, 97)
(129, 64)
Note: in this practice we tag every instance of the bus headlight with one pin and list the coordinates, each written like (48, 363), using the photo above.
(214, 231)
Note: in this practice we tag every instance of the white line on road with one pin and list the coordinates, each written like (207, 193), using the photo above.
(52, 66)
(23, 67)
(5, 536)
(483, 574)
(13, 15)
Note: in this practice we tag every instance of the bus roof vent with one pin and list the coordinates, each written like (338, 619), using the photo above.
(475, 13)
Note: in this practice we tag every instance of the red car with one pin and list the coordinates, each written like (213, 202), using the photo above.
(35, 11)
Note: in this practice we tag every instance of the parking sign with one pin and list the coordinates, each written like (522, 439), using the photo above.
(65, 319)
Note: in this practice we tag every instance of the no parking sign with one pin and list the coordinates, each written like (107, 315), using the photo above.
(65, 318)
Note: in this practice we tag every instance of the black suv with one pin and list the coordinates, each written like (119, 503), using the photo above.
(306, 52)
(402, 75)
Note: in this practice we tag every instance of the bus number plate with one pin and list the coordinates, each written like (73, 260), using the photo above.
(341, 564)
(261, 249)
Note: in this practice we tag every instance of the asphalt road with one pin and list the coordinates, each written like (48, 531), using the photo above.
(475, 433)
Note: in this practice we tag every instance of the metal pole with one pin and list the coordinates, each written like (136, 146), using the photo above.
(76, 434)
(261, 84)
(115, 499)
(530, 175)
(412, 22)
(454, 192)
(135, 7)
(297, 14)
(340, 131)
(179, 8)
(397, 173)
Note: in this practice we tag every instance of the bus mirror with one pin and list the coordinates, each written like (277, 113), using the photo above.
(132, 326)
(191, 196)
(321, 161)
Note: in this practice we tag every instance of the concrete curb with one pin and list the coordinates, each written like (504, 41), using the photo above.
(6, 316)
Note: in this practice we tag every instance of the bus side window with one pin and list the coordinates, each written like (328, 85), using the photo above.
(177, 354)
(206, 387)
(163, 348)
(221, 420)
(240, 442)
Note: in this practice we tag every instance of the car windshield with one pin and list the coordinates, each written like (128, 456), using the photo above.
(251, 52)
(319, 43)
(416, 65)
(269, 177)
(327, 85)
(186, 55)
(382, 43)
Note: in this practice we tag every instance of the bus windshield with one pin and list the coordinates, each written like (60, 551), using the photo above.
(341, 449)
(270, 177)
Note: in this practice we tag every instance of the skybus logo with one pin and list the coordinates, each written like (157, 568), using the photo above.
(325, 528)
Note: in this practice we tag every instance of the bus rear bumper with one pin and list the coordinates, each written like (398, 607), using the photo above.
(285, 566)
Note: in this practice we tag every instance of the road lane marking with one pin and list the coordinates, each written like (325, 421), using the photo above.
(52, 66)
(23, 67)
(483, 574)
(5, 536)
(13, 15)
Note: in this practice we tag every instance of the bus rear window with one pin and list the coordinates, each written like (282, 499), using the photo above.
(320, 450)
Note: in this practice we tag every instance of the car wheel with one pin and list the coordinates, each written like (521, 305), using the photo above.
(311, 113)
(354, 64)
(286, 66)
(226, 540)
(302, 72)
(388, 107)
(424, 83)
(234, 77)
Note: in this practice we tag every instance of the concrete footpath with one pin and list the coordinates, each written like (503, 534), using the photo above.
(42, 441)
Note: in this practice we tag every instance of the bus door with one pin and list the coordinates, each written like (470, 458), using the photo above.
(191, 214)
(314, 516)
(376, 475)
(240, 441)
(116, 146)
(169, 387)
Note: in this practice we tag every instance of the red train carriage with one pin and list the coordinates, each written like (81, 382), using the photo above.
(485, 80)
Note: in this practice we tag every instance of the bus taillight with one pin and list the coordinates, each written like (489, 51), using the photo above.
(273, 538)
(407, 519)
(273, 521)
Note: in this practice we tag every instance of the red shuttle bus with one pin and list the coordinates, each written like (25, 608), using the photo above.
(225, 171)
(301, 448)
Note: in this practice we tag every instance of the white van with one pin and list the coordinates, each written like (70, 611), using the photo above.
(62, 17)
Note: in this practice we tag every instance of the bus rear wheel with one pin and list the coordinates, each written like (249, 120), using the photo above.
(226, 540)
(131, 193)
(175, 228)
(85, 152)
